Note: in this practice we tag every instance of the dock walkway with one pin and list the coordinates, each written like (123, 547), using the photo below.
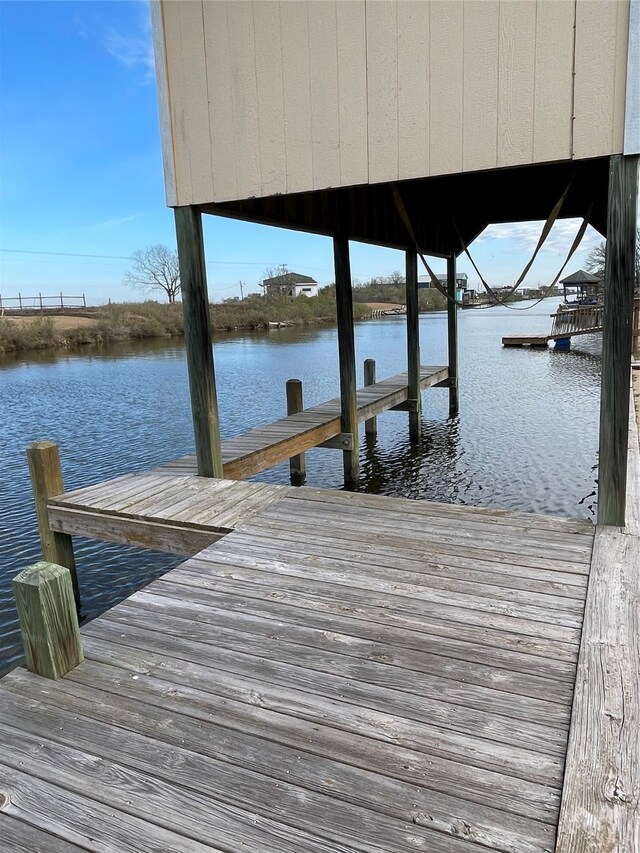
(265, 446)
(343, 672)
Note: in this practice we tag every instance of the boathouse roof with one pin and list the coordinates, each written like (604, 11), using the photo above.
(580, 277)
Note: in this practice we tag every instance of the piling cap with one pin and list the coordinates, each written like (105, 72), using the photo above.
(39, 573)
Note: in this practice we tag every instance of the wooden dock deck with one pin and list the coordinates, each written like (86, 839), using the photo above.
(342, 672)
(265, 446)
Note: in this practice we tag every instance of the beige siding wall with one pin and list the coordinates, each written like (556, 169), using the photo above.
(265, 97)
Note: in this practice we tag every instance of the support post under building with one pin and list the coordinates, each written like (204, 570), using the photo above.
(452, 335)
(619, 281)
(413, 345)
(347, 355)
(197, 335)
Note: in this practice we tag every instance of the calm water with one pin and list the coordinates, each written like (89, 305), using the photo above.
(526, 436)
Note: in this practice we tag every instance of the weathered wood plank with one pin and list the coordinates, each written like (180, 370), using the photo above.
(354, 639)
(80, 820)
(141, 709)
(20, 837)
(210, 771)
(522, 748)
(601, 797)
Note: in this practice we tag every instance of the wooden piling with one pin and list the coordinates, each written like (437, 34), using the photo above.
(413, 345)
(619, 279)
(370, 425)
(48, 619)
(46, 482)
(452, 335)
(347, 355)
(197, 336)
(297, 467)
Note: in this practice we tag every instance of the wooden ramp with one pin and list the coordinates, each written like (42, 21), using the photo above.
(265, 446)
(342, 673)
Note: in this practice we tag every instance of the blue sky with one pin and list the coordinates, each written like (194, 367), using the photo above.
(81, 171)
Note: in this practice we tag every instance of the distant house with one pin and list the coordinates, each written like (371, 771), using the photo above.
(290, 284)
(424, 281)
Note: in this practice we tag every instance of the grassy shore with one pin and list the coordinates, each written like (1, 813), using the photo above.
(140, 321)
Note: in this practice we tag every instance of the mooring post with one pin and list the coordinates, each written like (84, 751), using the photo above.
(297, 468)
(452, 335)
(371, 424)
(48, 619)
(413, 345)
(197, 337)
(46, 481)
(347, 355)
(617, 333)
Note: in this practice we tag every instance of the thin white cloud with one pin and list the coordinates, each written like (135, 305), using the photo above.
(133, 51)
(111, 223)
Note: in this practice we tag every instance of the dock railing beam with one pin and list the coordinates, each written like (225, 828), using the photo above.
(347, 355)
(297, 467)
(197, 336)
(413, 345)
(452, 335)
(46, 481)
(617, 332)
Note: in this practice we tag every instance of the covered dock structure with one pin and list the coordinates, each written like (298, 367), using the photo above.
(331, 671)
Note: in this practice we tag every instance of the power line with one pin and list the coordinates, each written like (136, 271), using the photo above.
(130, 258)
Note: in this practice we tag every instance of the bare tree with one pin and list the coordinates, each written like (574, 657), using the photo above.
(155, 269)
(596, 258)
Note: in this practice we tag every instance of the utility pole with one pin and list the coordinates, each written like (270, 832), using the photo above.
(241, 283)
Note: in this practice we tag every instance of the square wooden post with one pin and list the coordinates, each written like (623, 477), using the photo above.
(413, 345)
(347, 355)
(371, 424)
(46, 481)
(197, 336)
(617, 333)
(48, 620)
(297, 466)
(452, 335)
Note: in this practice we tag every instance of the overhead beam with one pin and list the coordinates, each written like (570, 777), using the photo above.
(617, 331)
(197, 335)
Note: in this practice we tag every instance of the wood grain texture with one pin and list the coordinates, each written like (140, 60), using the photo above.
(446, 60)
(516, 81)
(616, 338)
(340, 671)
(197, 332)
(601, 798)
(45, 472)
(48, 620)
(352, 92)
(596, 58)
(382, 90)
(553, 81)
(323, 94)
(481, 46)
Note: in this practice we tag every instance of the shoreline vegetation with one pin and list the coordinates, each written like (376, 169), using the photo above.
(134, 321)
